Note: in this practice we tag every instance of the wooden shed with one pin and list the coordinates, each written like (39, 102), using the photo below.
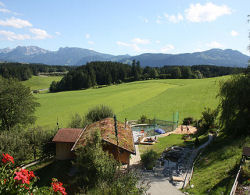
(65, 140)
(107, 131)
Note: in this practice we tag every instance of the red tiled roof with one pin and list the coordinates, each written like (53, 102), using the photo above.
(67, 135)
(107, 130)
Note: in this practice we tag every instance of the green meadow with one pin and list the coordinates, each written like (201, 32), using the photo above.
(153, 98)
(41, 82)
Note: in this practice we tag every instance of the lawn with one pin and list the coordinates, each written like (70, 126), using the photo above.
(154, 98)
(171, 140)
(41, 82)
(215, 170)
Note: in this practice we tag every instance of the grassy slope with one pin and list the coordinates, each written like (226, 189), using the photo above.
(171, 140)
(216, 169)
(40, 82)
(155, 98)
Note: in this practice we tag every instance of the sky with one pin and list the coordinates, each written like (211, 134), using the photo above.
(126, 26)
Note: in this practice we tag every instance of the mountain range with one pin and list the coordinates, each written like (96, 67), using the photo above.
(80, 56)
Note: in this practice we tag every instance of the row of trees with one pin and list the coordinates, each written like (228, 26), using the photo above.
(23, 72)
(106, 73)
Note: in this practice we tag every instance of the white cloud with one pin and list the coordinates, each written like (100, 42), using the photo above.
(157, 41)
(133, 46)
(3, 10)
(214, 44)
(173, 18)
(146, 20)
(91, 42)
(2, 4)
(15, 22)
(234, 33)
(206, 13)
(58, 33)
(11, 36)
(39, 33)
(122, 43)
(140, 41)
(87, 36)
(167, 48)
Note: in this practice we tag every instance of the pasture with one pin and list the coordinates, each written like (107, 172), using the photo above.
(41, 82)
(153, 98)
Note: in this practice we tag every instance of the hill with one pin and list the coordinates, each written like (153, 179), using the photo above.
(154, 98)
(216, 168)
(80, 56)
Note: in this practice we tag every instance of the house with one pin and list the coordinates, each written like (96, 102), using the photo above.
(107, 131)
(65, 140)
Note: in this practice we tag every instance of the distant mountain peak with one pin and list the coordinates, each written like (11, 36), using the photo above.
(80, 56)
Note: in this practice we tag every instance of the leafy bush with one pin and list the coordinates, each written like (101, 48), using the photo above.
(98, 171)
(143, 119)
(188, 121)
(149, 159)
(27, 145)
(93, 164)
(76, 121)
(98, 113)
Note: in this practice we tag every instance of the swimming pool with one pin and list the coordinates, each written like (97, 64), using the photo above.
(149, 129)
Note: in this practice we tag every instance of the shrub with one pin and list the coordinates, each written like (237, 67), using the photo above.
(188, 121)
(93, 164)
(149, 159)
(98, 113)
(143, 119)
(76, 121)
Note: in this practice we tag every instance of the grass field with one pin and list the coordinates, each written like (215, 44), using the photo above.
(154, 98)
(40, 82)
(171, 140)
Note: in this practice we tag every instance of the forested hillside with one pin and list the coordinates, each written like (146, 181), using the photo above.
(106, 73)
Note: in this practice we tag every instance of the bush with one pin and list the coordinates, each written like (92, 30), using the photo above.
(76, 121)
(27, 145)
(98, 113)
(143, 119)
(188, 121)
(93, 164)
(149, 159)
(98, 171)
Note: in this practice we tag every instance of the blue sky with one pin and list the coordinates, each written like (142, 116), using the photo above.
(126, 27)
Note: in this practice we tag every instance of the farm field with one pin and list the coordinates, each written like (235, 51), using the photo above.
(40, 82)
(153, 98)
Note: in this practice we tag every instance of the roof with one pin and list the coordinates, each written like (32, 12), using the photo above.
(69, 135)
(107, 131)
(246, 151)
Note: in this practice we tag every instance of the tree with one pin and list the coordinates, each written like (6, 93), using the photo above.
(93, 164)
(208, 120)
(186, 72)
(17, 104)
(176, 73)
(235, 105)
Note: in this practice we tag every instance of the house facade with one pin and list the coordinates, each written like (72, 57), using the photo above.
(65, 149)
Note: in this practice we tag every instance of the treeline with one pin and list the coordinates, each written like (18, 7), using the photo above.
(23, 72)
(106, 73)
